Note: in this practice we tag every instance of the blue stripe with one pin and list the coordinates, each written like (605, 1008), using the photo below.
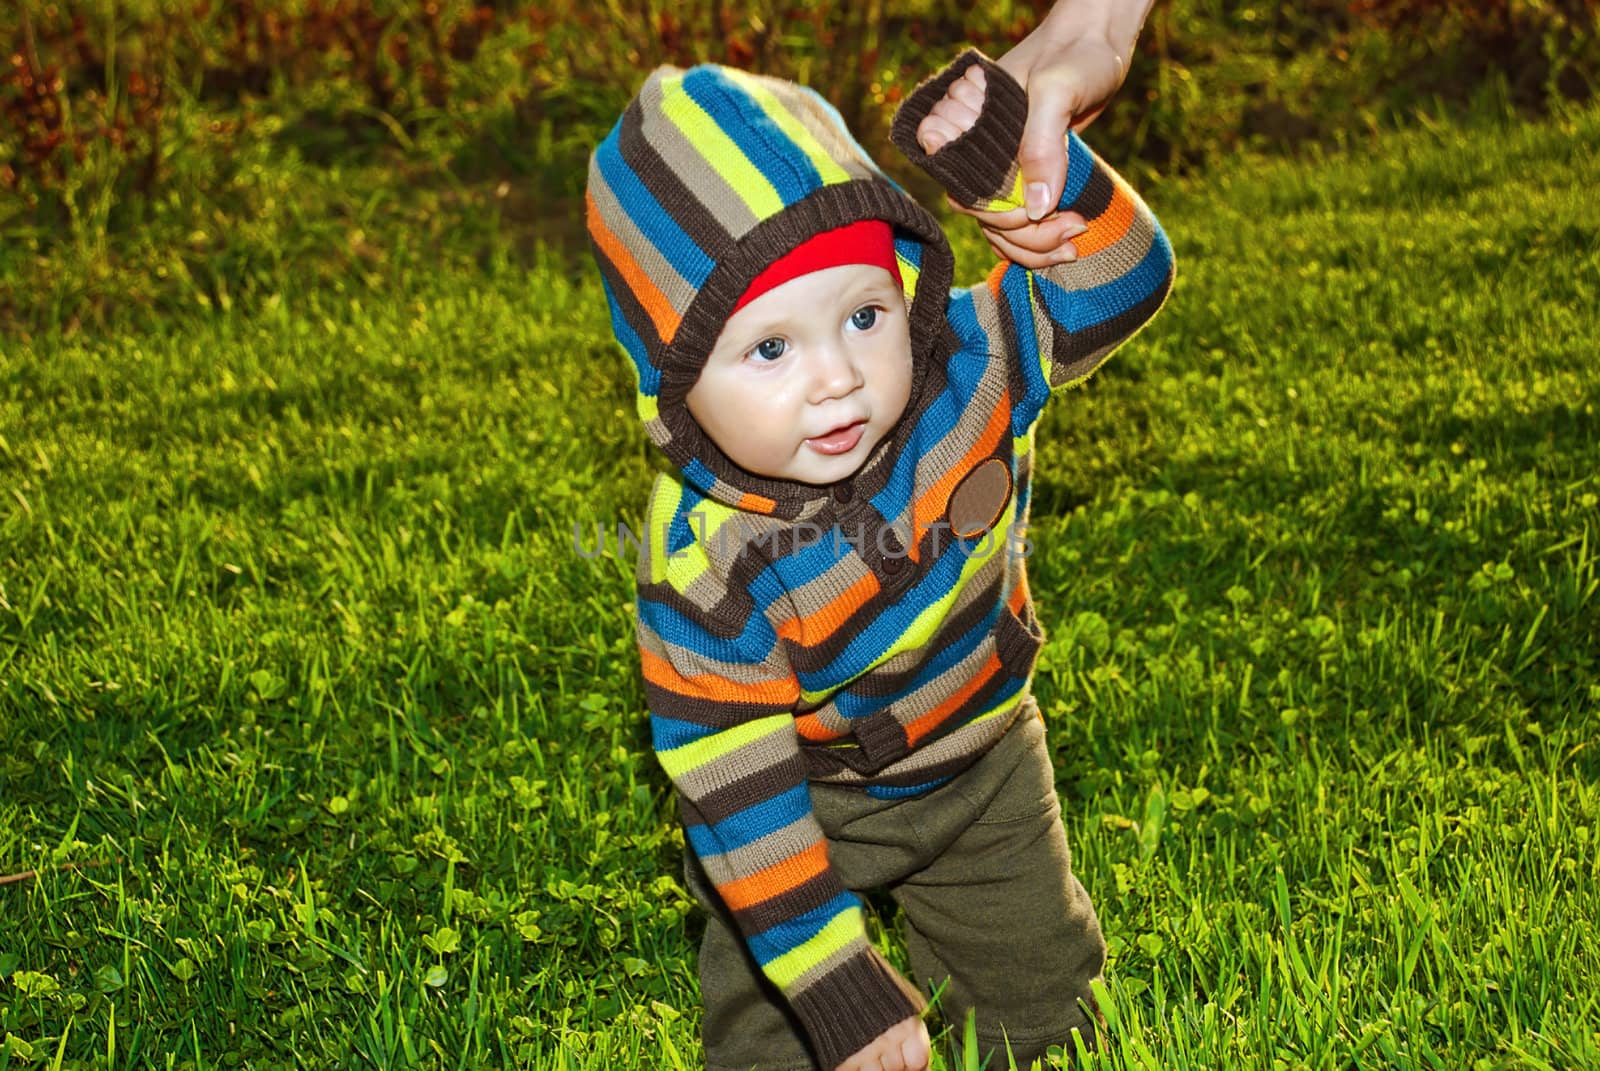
(1080, 165)
(870, 643)
(680, 630)
(1078, 310)
(649, 375)
(790, 934)
(646, 213)
(890, 792)
(1014, 289)
(668, 733)
(852, 705)
(750, 824)
(767, 147)
(933, 423)
(909, 249)
(804, 565)
(681, 532)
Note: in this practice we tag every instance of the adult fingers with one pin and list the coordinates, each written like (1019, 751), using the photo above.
(1008, 220)
(1015, 219)
(1030, 258)
(1042, 153)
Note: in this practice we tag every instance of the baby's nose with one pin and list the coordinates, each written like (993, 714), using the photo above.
(834, 372)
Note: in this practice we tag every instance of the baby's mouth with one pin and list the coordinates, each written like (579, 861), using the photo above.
(840, 440)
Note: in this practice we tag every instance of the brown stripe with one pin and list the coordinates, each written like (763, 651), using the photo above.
(719, 715)
(667, 188)
(1077, 354)
(968, 610)
(1096, 195)
(807, 896)
(752, 789)
(865, 985)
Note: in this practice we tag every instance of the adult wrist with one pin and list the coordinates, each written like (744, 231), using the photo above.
(1115, 22)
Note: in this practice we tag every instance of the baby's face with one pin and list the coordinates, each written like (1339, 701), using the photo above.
(806, 379)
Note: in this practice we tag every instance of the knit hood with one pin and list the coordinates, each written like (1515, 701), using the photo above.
(709, 176)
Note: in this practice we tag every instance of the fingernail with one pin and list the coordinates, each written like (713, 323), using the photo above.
(932, 143)
(1065, 255)
(1072, 230)
(1037, 200)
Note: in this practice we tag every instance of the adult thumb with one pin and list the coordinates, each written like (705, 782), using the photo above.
(1043, 152)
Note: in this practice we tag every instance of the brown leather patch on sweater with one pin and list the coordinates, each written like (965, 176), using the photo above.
(979, 498)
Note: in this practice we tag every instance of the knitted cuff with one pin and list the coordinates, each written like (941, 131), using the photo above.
(853, 1003)
(980, 165)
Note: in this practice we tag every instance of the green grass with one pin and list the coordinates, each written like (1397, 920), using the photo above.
(328, 750)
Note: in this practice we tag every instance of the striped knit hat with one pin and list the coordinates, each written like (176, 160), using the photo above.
(710, 176)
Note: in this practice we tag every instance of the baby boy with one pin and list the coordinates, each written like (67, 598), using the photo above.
(834, 624)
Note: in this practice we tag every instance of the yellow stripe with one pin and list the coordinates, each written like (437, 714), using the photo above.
(719, 150)
(923, 627)
(1035, 303)
(909, 273)
(680, 760)
(686, 564)
(845, 928)
(664, 501)
(832, 174)
(1006, 201)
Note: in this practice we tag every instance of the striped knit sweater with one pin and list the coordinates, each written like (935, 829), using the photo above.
(876, 633)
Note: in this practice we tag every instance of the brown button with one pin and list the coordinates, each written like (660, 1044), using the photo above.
(979, 499)
(893, 565)
(842, 492)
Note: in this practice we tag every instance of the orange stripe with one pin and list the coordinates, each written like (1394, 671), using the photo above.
(644, 289)
(817, 626)
(935, 717)
(997, 276)
(1108, 227)
(1019, 594)
(756, 503)
(660, 672)
(937, 497)
(776, 879)
(811, 728)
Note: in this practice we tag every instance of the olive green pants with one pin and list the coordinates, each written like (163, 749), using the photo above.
(981, 871)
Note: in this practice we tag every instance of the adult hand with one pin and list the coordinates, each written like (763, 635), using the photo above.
(1011, 234)
(1070, 66)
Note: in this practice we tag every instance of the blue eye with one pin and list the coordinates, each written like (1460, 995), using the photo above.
(862, 319)
(770, 349)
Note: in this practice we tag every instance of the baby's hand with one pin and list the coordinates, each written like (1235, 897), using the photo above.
(902, 1047)
(955, 114)
(1011, 234)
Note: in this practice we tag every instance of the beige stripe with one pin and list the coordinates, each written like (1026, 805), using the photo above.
(690, 662)
(844, 149)
(1112, 262)
(774, 848)
(822, 969)
(673, 286)
(713, 191)
(760, 754)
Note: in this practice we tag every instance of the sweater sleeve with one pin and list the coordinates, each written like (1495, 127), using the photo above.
(1061, 323)
(722, 701)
